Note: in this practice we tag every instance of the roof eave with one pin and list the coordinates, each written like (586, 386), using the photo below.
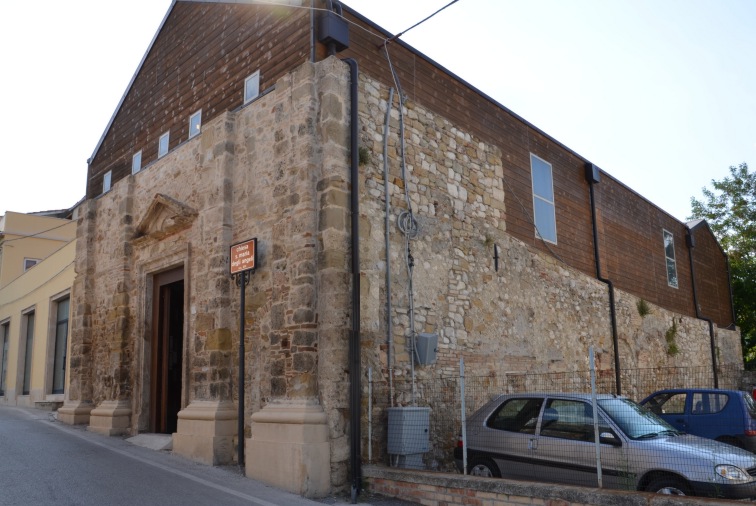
(131, 82)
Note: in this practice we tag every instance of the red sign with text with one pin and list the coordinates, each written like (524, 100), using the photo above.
(244, 256)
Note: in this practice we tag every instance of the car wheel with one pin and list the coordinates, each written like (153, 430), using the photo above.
(731, 441)
(480, 466)
(669, 485)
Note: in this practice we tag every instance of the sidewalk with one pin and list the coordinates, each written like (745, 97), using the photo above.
(154, 450)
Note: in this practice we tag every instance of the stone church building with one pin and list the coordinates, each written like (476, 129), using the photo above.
(391, 204)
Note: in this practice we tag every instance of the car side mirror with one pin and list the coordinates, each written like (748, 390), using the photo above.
(608, 437)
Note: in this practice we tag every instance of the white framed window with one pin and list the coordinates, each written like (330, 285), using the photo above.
(669, 255)
(195, 123)
(252, 87)
(106, 181)
(544, 212)
(163, 144)
(136, 162)
(30, 262)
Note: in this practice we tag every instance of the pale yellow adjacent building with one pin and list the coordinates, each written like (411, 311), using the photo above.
(37, 255)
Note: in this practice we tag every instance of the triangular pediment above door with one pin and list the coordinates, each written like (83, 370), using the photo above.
(164, 217)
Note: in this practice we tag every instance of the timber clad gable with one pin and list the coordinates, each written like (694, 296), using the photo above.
(153, 286)
(199, 60)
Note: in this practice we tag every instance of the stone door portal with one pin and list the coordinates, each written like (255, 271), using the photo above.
(167, 351)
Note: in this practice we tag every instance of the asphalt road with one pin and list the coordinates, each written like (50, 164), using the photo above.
(45, 462)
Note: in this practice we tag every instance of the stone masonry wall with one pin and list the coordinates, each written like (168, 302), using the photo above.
(534, 315)
(277, 169)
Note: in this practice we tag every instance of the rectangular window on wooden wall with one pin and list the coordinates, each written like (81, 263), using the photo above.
(4, 337)
(543, 199)
(252, 87)
(195, 123)
(136, 162)
(106, 181)
(669, 253)
(163, 144)
(61, 341)
(29, 345)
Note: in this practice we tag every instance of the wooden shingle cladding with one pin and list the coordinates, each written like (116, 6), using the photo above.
(199, 60)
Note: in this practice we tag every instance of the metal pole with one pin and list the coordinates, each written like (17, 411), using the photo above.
(596, 437)
(244, 277)
(370, 414)
(464, 421)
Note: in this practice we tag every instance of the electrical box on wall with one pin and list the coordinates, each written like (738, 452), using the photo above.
(408, 436)
(426, 346)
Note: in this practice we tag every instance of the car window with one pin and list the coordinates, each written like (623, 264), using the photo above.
(516, 415)
(707, 403)
(667, 403)
(750, 404)
(635, 421)
(568, 419)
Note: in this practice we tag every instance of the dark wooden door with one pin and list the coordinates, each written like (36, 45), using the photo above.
(167, 351)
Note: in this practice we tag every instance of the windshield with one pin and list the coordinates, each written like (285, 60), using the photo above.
(635, 421)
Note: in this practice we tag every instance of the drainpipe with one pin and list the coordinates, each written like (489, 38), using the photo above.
(692, 244)
(592, 175)
(355, 403)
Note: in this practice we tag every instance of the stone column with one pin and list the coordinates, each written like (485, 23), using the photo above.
(78, 401)
(113, 414)
(207, 426)
(290, 438)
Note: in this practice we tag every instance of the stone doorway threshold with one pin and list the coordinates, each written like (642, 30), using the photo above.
(153, 441)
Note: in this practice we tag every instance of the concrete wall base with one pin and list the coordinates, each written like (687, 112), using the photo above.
(290, 449)
(111, 418)
(75, 412)
(206, 431)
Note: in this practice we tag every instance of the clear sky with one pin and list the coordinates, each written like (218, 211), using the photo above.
(661, 94)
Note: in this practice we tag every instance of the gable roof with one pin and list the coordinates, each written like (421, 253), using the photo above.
(131, 82)
(703, 224)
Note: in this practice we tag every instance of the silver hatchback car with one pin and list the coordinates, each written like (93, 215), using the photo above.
(551, 437)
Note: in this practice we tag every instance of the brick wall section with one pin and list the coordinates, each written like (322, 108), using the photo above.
(439, 489)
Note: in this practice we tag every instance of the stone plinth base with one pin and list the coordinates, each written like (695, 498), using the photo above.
(290, 449)
(111, 418)
(75, 412)
(206, 431)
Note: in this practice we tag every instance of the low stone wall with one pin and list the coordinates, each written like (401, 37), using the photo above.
(442, 489)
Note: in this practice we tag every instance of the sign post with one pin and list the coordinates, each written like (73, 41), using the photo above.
(243, 262)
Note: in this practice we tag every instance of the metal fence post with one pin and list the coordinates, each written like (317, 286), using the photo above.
(596, 436)
(464, 419)
(370, 415)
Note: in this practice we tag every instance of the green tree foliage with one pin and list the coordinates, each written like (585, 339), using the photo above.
(730, 210)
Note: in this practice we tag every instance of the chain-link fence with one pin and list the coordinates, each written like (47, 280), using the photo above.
(418, 424)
